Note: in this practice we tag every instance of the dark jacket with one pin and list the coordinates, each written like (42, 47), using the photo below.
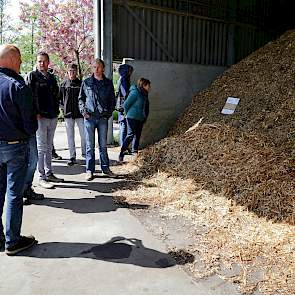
(123, 88)
(45, 93)
(69, 93)
(97, 98)
(17, 114)
(136, 105)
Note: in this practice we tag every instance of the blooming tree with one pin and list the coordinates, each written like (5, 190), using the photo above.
(65, 29)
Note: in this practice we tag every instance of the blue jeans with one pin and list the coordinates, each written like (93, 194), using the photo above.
(101, 124)
(134, 129)
(13, 169)
(123, 130)
(33, 160)
(123, 134)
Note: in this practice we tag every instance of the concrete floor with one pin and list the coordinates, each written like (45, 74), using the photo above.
(88, 245)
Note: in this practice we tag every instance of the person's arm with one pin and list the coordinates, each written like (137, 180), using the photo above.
(113, 98)
(55, 90)
(30, 81)
(82, 101)
(23, 99)
(120, 97)
(61, 94)
(130, 101)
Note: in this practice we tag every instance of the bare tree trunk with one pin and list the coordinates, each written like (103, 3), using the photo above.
(79, 64)
(32, 46)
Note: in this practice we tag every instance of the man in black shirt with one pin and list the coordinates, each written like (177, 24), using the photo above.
(69, 93)
(46, 94)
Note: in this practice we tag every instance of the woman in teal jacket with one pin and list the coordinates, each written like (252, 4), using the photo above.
(136, 108)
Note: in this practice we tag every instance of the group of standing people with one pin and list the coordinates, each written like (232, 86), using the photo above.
(29, 110)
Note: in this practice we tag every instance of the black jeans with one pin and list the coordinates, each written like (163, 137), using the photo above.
(134, 129)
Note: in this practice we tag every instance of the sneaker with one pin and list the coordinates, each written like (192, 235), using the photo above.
(26, 202)
(55, 156)
(23, 244)
(53, 178)
(109, 173)
(121, 157)
(30, 194)
(72, 162)
(45, 184)
(88, 176)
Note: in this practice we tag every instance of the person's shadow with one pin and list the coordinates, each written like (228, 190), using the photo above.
(117, 250)
(98, 204)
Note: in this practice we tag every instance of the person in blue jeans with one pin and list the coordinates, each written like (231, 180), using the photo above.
(97, 103)
(17, 124)
(125, 72)
(136, 108)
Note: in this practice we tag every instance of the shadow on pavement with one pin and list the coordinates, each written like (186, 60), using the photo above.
(117, 250)
(98, 204)
(101, 187)
(68, 170)
(78, 168)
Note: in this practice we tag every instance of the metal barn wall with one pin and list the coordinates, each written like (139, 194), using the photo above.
(158, 32)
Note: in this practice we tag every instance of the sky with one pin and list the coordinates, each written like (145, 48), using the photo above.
(13, 9)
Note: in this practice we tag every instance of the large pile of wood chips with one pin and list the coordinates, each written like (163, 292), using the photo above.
(249, 156)
(233, 175)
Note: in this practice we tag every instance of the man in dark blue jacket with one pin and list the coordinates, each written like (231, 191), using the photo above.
(97, 103)
(17, 124)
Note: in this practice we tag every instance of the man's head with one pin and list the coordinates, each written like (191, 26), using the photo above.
(98, 67)
(42, 61)
(72, 71)
(10, 57)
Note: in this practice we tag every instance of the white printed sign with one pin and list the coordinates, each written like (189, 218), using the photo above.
(230, 105)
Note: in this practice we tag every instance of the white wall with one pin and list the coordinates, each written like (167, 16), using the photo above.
(173, 87)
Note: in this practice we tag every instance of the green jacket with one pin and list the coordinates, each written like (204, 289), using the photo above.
(136, 105)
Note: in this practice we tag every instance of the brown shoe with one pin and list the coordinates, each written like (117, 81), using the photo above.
(108, 173)
(53, 178)
(23, 244)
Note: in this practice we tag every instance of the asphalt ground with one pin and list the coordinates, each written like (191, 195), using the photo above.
(90, 245)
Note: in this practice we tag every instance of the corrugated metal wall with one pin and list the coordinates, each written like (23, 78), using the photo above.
(147, 31)
(248, 40)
